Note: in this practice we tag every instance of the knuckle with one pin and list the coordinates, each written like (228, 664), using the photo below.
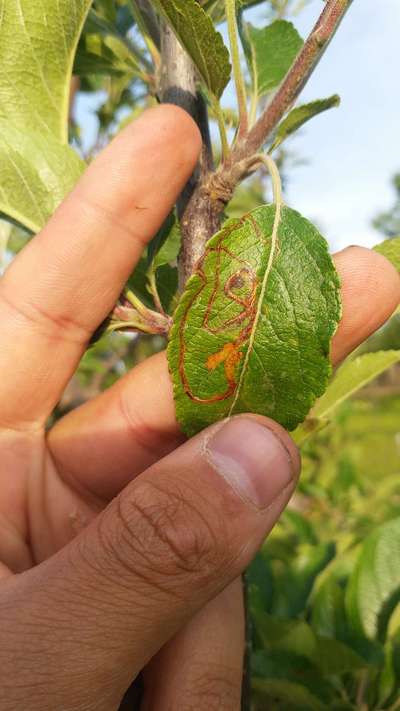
(165, 535)
(56, 324)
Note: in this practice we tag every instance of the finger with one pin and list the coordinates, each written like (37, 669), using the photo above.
(175, 538)
(202, 666)
(370, 294)
(128, 427)
(65, 282)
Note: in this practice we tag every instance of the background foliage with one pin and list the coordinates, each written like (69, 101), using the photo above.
(325, 589)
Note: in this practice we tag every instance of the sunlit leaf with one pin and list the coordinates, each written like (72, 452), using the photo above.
(36, 172)
(38, 39)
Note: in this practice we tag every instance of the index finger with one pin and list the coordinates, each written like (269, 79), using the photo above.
(66, 281)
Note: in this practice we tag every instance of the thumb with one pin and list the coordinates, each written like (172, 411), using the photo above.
(173, 539)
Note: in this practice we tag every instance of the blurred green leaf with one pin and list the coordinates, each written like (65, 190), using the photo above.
(203, 43)
(328, 616)
(300, 115)
(288, 692)
(164, 248)
(310, 562)
(374, 586)
(102, 50)
(276, 664)
(260, 581)
(351, 376)
(389, 679)
(385, 339)
(335, 657)
(270, 53)
(390, 249)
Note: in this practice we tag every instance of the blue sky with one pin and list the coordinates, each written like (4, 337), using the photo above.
(350, 153)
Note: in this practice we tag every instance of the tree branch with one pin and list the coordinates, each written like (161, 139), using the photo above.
(233, 170)
(179, 86)
(297, 76)
(209, 192)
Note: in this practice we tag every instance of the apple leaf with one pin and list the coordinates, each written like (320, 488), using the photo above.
(390, 248)
(253, 327)
(270, 52)
(38, 39)
(300, 115)
(374, 586)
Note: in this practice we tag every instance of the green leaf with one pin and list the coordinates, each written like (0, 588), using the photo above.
(252, 330)
(102, 50)
(288, 692)
(36, 172)
(37, 45)
(38, 39)
(334, 657)
(300, 115)
(351, 376)
(390, 249)
(292, 636)
(374, 586)
(260, 582)
(277, 664)
(164, 248)
(328, 615)
(167, 284)
(386, 338)
(270, 52)
(388, 682)
(310, 561)
(196, 32)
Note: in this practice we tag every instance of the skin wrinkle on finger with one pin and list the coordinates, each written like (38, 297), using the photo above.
(206, 655)
(111, 438)
(176, 537)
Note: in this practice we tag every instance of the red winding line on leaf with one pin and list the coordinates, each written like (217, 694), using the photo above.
(230, 354)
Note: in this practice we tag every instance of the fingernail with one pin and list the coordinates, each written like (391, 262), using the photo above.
(252, 459)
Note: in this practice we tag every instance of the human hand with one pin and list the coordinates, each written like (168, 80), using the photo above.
(118, 540)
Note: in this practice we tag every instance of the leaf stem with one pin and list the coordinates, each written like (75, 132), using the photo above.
(179, 86)
(254, 95)
(216, 106)
(213, 190)
(278, 200)
(230, 10)
(152, 286)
